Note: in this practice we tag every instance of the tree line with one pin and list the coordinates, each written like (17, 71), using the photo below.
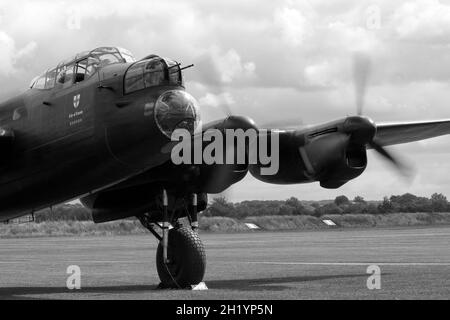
(341, 205)
(290, 207)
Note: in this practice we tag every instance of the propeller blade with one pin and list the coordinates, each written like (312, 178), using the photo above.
(361, 71)
(404, 169)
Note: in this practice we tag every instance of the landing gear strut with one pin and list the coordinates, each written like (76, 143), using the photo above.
(165, 227)
(193, 217)
(180, 257)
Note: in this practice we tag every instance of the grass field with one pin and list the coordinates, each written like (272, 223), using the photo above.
(222, 224)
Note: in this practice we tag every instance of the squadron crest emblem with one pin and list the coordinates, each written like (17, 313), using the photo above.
(76, 100)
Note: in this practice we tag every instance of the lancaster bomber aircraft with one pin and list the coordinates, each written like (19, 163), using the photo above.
(98, 127)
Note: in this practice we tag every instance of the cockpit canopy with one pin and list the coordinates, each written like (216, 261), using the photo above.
(81, 66)
(150, 72)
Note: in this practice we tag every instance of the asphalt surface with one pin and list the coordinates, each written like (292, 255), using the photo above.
(414, 264)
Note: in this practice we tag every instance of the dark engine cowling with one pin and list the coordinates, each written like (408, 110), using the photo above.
(329, 156)
(351, 165)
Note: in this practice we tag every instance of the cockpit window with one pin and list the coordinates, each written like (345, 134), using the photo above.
(127, 55)
(134, 77)
(92, 66)
(50, 79)
(86, 68)
(152, 72)
(44, 81)
(110, 55)
(66, 76)
(81, 66)
(109, 58)
(81, 71)
(39, 83)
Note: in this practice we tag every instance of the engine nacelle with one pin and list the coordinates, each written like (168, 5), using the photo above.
(330, 158)
(351, 165)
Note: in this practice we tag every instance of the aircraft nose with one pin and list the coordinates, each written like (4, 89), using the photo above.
(176, 109)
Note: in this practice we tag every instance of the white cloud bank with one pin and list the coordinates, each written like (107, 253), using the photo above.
(267, 59)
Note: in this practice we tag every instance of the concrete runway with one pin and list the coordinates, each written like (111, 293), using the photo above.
(415, 264)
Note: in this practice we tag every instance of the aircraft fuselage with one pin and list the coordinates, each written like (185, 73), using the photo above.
(74, 141)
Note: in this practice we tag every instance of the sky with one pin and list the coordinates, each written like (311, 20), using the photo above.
(269, 60)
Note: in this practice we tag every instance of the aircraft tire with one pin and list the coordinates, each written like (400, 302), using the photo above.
(187, 259)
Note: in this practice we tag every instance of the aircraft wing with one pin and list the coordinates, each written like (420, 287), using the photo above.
(404, 132)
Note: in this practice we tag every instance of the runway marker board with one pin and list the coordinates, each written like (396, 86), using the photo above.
(252, 226)
(329, 223)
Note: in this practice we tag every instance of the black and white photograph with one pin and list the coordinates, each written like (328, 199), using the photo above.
(238, 152)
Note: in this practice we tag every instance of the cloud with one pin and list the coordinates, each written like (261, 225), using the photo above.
(26, 51)
(217, 100)
(322, 74)
(423, 20)
(10, 56)
(295, 26)
(230, 66)
(270, 60)
(214, 67)
(7, 54)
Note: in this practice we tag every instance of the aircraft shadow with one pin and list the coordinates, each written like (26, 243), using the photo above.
(257, 284)
(13, 293)
(271, 284)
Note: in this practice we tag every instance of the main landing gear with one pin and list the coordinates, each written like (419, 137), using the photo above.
(180, 257)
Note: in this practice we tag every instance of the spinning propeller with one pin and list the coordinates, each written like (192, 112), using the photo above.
(361, 73)
(361, 129)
